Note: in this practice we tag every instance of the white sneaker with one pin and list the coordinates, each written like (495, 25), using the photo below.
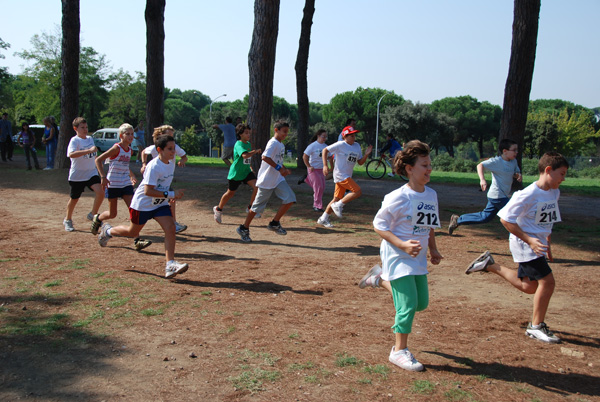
(218, 214)
(175, 268)
(391, 174)
(68, 225)
(47, 168)
(179, 227)
(480, 263)
(371, 278)
(90, 216)
(103, 236)
(337, 208)
(406, 360)
(542, 333)
(324, 222)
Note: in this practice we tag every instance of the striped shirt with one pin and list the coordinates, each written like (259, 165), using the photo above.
(118, 169)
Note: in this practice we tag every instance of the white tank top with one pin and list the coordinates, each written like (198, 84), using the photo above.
(118, 169)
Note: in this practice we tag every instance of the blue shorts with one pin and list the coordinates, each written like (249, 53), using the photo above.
(112, 192)
(534, 269)
(77, 187)
(141, 217)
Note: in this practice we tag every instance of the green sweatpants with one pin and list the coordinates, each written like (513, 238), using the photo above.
(411, 294)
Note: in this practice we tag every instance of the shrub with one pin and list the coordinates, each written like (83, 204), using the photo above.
(530, 167)
(442, 162)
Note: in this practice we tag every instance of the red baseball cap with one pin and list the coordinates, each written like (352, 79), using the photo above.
(349, 130)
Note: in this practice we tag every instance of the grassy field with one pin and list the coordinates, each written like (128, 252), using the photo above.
(580, 186)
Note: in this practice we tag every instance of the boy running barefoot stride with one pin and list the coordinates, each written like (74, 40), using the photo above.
(529, 217)
(150, 201)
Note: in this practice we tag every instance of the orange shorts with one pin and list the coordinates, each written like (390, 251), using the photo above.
(341, 187)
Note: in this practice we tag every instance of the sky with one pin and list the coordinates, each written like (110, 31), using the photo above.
(423, 50)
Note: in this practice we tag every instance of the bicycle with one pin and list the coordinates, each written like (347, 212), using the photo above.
(377, 167)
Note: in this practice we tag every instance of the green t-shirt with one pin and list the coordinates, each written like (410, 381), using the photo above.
(240, 168)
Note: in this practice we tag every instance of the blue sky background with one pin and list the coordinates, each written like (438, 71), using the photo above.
(423, 50)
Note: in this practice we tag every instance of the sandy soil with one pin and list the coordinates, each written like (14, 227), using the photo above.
(280, 319)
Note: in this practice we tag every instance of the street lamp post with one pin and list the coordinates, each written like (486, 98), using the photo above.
(211, 102)
(377, 123)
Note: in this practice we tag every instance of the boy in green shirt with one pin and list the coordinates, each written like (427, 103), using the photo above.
(239, 171)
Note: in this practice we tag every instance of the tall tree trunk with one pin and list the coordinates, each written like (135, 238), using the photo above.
(69, 91)
(520, 71)
(302, 80)
(261, 66)
(155, 66)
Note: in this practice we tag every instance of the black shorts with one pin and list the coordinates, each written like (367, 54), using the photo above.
(534, 269)
(235, 184)
(77, 187)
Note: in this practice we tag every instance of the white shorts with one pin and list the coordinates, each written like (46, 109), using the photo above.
(282, 191)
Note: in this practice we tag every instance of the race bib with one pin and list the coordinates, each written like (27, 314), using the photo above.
(352, 157)
(247, 161)
(158, 201)
(425, 214)
(547, 213)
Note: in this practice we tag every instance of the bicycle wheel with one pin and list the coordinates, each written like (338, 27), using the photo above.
(375, 169)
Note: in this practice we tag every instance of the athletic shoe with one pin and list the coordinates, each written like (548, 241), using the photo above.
(337, 208)
(141, 244)
(541, 333)
(406, 360)
(218, 214)
(480, 263)
(90, 216)
(175, 268)
(244, 233)
(277, 229)
(371, 278)
(179, 227)
(391, 174)
(103, 236)
(321, 210)
(68, 225)
(453, 224)
(96, 223)
(302, 178)
(46, 168)
(325, 222)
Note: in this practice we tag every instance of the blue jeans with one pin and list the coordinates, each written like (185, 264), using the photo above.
(50, 152)
(491, 209)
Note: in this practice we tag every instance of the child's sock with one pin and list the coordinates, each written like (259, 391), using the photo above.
(108, 233)
(274, 223)
(325, 216)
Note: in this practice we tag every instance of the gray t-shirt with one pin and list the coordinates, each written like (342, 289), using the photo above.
(228, 134)
(502, 176)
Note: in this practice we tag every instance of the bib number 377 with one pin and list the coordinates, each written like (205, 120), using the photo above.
(425, 214)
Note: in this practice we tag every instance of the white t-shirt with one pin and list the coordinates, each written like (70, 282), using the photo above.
(159, 175)
(346, 156)
(84, 167)
(535, 211)
(315, 154)
(502, 176)
(268, 177)
(151, 150)
(410, 216)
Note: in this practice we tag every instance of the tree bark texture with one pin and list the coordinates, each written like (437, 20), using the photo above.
(302, 80)
(155, 66)
(520, 71)
(69, 90)
(261, 66)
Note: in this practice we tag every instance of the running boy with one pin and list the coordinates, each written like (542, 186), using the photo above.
(504, 168)
(151, 150)
(271, 179)
(149, 203)
(119, 181)
(529, 216)
(346, 153)
(405, 222)
(83, 173)
(239, 171)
